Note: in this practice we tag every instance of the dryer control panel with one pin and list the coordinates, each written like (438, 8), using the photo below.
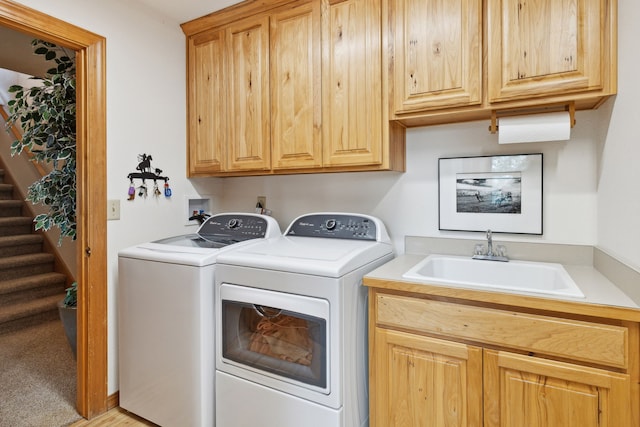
(339, 226)
(233, 227)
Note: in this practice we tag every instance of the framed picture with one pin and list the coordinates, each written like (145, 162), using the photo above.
(498, 193)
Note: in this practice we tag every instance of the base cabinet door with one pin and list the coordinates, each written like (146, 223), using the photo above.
(426, 382)
(526, 391)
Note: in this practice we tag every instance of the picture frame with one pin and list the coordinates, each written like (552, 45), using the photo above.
(501, 193)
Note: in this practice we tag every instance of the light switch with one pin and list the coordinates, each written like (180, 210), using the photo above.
(113, 209)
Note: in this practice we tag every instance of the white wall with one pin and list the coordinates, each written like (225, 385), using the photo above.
(146, 114)
(619, 161)
(408, 203)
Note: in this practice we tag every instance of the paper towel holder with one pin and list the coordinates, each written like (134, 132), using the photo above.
(570, 107)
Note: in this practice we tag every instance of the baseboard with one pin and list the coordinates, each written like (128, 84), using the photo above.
(113, 400)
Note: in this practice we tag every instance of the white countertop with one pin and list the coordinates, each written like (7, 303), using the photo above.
(599, 291)
(593, 284)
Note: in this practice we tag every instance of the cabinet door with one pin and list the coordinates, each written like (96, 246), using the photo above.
(541, 48)
(438, 54)
(426, 382)
(206, 104)
(352, 83)
(248, 92)
(533, 392)
(296, 118)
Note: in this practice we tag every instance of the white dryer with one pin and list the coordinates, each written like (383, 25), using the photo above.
(166, 316)
(291, 324)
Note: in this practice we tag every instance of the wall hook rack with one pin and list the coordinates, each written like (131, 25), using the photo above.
(147, 172)
(145, 169)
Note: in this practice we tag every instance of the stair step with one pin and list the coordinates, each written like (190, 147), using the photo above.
(25, 265)
(31, 288)
(10, 208)
(17, 316)
(16, 225)
(6, 191)
(20, 244)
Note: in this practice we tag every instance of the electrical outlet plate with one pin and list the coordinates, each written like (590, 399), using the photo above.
(113, 209)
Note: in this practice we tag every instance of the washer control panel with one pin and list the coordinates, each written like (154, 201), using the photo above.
(338, 226)
(233, 227)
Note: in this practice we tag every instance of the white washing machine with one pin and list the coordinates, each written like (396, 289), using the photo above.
(165, 319)
(291, 324)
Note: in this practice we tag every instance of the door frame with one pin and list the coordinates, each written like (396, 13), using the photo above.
(90, 48)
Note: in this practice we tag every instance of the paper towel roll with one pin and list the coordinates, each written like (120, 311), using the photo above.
(534, 128)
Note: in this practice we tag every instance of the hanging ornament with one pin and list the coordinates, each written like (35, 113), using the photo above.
(167, 190)
(156, 190)
(142, 191)
(132, 191)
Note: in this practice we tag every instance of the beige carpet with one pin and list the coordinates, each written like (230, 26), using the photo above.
(37, 377)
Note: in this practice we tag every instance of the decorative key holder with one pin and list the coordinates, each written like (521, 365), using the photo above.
(146, 172)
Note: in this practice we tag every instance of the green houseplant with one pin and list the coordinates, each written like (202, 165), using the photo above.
(46, 115)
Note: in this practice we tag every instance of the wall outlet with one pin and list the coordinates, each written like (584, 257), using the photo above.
(113, 209)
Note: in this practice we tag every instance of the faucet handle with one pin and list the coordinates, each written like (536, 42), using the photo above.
(501, 250)
(479, 249)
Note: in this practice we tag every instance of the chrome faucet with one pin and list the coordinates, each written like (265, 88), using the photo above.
(487, 253)
(489, 244)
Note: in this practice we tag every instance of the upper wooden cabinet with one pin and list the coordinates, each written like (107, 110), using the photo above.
(535, 53)
(246, 80)
(300, 87)
(228, 133)
(296, 111)
(438, 54)
(545, 48)
(207, 114)
(354, 128)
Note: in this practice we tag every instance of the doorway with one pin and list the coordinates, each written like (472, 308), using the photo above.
(90, 51)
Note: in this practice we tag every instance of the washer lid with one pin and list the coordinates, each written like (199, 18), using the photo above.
(328, 244)
(192, 241)
(218, 233)
(308, 255)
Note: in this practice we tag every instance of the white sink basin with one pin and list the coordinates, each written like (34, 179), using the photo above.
(523, 276)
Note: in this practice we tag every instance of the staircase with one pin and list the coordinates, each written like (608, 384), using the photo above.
(29, 287)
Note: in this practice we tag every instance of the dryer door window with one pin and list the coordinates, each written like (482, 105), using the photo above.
(276, 341)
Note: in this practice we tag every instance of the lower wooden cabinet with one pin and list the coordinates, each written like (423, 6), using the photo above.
(442, 364)
(421, 381)
(527, 391)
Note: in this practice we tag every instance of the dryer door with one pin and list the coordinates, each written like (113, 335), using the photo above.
(275, 336)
